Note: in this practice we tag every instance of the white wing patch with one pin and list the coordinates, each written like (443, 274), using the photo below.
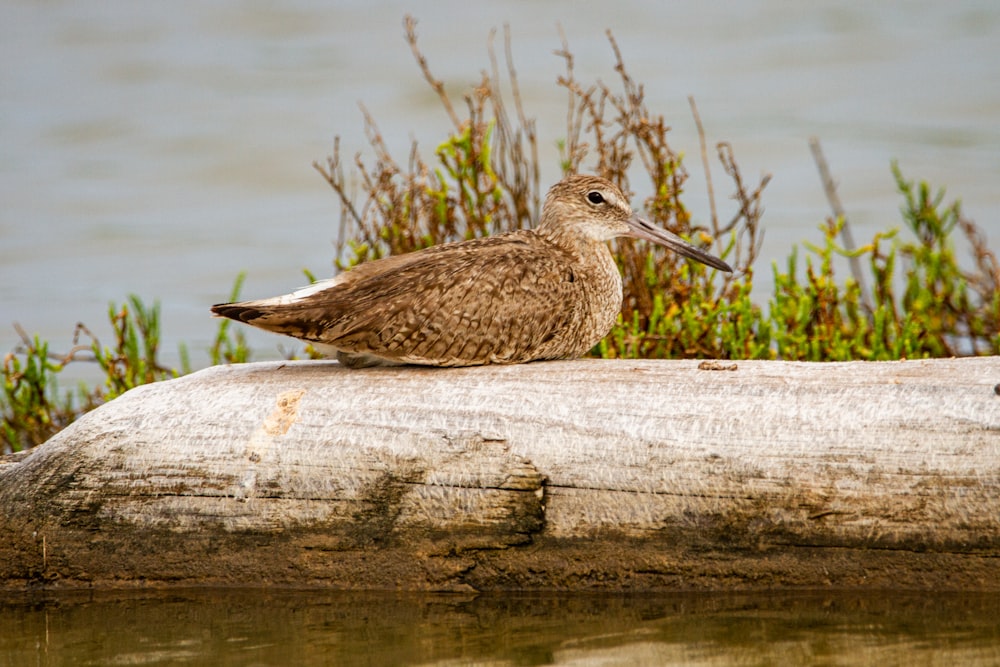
(303, 293)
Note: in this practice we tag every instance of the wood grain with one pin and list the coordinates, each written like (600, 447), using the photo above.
(587, 474)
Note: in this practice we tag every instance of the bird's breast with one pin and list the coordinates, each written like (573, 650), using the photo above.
(603, 283)
(596, 288)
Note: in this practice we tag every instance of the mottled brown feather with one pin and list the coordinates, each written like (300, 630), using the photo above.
(548, 293)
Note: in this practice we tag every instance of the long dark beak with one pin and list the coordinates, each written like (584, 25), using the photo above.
(643, 229)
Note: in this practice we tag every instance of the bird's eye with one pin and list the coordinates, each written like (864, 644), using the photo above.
(595, 197)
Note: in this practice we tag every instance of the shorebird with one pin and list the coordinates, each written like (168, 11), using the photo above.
(551, 292)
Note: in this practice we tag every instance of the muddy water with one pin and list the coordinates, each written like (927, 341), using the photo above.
(325, 628)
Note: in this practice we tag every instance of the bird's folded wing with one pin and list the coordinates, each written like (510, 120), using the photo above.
(497, 298)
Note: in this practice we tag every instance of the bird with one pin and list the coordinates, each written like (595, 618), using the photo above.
(551, 292)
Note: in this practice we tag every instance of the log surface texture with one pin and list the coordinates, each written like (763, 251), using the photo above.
(612, 475)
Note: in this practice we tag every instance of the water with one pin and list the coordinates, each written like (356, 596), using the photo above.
(327, 628)
(161, 148)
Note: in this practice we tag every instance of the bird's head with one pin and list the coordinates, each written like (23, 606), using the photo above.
(595, 209)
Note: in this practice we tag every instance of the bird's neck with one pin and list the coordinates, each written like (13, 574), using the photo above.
(592, 257)
(572, 240)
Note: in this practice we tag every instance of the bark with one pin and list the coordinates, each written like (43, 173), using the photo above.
(614, 475)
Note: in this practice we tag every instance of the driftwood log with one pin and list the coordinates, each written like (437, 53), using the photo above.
(614, 475)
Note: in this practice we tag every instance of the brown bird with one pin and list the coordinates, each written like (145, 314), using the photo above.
(548, 293)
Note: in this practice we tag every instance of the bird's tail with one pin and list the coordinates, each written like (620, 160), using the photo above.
(287, 314)
(245, 311)
(262, 314)
(294, 314)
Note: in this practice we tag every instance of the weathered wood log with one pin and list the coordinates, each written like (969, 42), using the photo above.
(626, 475)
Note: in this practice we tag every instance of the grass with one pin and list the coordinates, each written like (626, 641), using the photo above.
(32, 404)
(484, 179)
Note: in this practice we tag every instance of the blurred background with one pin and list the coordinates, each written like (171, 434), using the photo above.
(162, 148)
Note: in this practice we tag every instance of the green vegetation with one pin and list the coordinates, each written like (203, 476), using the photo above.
(484, 179)
(33, 407)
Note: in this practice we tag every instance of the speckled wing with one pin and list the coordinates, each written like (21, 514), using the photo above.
(494, 300)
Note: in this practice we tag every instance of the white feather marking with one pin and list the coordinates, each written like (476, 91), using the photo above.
(302, 293)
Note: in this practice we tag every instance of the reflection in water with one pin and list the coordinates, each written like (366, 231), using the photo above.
(319, 628)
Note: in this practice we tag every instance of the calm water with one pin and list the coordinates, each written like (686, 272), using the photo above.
(312, 628)
(160, 148)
